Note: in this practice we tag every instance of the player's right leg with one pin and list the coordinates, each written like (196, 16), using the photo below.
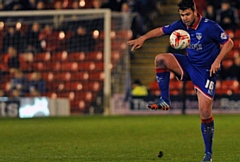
(165, 63)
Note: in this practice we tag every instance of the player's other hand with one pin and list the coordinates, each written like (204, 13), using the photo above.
(136, 43)
(214, 68)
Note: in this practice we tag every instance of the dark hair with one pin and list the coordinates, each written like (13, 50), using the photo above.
(186, 4)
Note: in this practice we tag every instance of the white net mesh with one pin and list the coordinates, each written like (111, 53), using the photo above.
(68, 52)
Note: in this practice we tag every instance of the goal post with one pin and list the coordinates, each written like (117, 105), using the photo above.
(110, 38)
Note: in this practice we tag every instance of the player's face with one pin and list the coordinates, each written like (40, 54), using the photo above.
(188, 16)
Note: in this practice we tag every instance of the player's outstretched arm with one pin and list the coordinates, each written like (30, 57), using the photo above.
(137, 43)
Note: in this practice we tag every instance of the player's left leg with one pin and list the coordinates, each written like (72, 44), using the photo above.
(165, 63)
(207, 123)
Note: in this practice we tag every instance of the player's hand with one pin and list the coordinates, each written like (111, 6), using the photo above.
(215, 67)
(136, 43)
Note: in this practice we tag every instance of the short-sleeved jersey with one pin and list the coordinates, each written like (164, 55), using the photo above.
(206, 37)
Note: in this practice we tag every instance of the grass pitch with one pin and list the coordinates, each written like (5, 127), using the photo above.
(116, 139)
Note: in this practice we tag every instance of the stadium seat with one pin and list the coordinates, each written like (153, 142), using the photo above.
(42, 57)
(70, 86)
(230, 33)
(69, 95)
(99, 66)
(59, 56)
(115, 56)
(76, 56)
(93, 86)
(124, 34)
(78, 105)
(227, 63)
(79, 76)
(47, 66)
(62, 76)
(154, 89)
(230, 84)
(189, 88)
(96, 76)
(51, 95)
(94, 56)
(48, 76)
(87, 66)
(175, 87)
(237, 34)
(116, 44)
(51, 86)
(86, 96)
(232, 54)
(236, 43)
(69, 66)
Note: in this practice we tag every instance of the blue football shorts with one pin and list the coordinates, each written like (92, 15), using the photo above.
(199, 76)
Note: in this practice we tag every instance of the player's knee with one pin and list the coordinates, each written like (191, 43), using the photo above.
(160, 60)
(205, 113)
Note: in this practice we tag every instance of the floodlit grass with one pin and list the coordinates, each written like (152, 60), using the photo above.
(116, 139)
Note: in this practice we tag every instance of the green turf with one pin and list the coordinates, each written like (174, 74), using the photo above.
(115, 139)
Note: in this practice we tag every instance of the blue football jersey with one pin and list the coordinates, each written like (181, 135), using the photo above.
(206, 37)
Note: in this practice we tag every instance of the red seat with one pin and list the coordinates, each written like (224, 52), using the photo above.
(60, 56)
(118, 45)
(227, 63)
(175, 87)
(47, 66)
(94, 56)
(62, 76)
(79, 105)
(230, 33)
(42, 57)
(69, 66)
(99, 66)
(93, 86)
(154, 88)
(70, 86)
(237, 33)
(189, 88)
(87, 66)
(236, 43)
(76, 56)
(115, 56)
(79, 76)
(86, 96)
(232, 54)
(99, 76)
(230, 84)
(51, 95)
(69, 95)
(122, 35)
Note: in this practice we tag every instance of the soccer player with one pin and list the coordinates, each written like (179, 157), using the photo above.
(208, 46)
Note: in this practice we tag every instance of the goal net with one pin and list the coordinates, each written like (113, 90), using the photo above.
(80, 55)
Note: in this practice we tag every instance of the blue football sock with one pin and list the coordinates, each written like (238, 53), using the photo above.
(163, 78)
(207, 127)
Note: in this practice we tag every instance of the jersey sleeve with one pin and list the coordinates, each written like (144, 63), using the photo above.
(168, 29)
(218, 33)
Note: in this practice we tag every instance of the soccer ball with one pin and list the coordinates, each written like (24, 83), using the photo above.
(179, 39)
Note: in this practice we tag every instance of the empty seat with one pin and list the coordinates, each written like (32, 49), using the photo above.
(94, 56)
(69, 66)
(99, 76)
(60, 56)
(79, 76)
(42, 57)
(76, 56)
(175, 87)
(62, 76)
(47, 66)
(70, 86)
